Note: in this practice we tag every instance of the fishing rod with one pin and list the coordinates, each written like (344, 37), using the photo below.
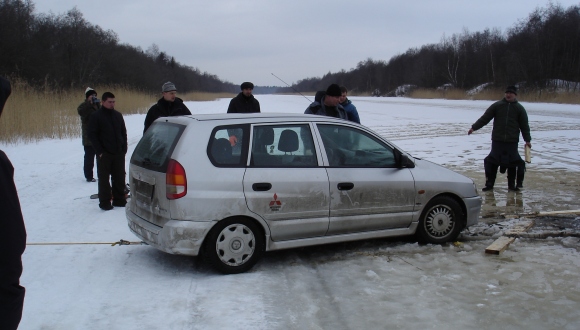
(292, 87)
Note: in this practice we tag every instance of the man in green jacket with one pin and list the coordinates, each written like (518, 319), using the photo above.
(85, 109)
(509, 119)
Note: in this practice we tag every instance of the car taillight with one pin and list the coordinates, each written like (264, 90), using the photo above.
(175, 180)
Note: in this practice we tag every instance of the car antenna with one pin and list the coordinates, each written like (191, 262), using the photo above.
(292, 87)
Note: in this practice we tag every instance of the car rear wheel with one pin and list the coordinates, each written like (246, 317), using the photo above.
(234, 245)
(441, 221)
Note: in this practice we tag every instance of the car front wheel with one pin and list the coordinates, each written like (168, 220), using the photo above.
(234, 245)
(441, 221)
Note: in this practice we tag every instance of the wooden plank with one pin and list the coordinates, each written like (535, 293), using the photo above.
(559, 212)
(538, 214)
(499, 245)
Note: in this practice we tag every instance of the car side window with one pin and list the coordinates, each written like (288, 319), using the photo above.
(228, 145)
(282, 146)
(351, 147)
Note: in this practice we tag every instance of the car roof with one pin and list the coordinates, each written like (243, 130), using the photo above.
(259, 117)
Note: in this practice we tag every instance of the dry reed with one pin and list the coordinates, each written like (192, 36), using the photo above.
(32, 114)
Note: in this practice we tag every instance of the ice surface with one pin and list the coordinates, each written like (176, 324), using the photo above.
(381, 284)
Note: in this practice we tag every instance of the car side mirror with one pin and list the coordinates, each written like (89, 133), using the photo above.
(406, 162)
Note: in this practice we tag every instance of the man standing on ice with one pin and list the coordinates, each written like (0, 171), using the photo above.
(167, 106)
(509, 119)
(108, 135)
(329, 104)
(12, 238)
(244, 102)
(85, 110)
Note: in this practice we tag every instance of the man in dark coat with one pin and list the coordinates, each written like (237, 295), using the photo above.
(328, 104)
(85, 110)
(12, 237)
(509, 119)
(108, 135)
(167, 106)
(244, 102)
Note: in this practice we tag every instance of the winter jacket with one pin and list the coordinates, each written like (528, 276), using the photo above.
(85, 110)
(509, 118)
(351, 112)
(12, 237)
(107, 132)
(318, 108)
(164, 108)
(243, 104)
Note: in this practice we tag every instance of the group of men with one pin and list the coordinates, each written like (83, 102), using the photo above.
(105, 135)
(333, 103)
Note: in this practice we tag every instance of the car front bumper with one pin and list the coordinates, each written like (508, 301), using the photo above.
(473, 208)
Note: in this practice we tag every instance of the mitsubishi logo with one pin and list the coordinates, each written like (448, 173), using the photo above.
(275, 204)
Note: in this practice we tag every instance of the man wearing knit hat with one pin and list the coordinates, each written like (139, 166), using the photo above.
(509, 120)
(329, 104)
(85, 109)
(169, 105)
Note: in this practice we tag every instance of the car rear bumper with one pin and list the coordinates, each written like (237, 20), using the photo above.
(473, 208)
(175, 237)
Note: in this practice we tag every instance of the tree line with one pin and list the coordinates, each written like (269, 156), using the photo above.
(536, 53)
(64, 51)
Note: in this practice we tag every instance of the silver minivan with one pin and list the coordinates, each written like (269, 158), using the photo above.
(230, 186)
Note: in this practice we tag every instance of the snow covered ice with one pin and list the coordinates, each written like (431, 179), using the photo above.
(381, 284)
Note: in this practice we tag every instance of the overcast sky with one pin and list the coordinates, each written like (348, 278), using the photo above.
(249, 40)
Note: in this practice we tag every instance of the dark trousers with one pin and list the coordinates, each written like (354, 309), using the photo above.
(113, 167)
(504, 154)
(490, 168)
(89, 162)
(516, 175)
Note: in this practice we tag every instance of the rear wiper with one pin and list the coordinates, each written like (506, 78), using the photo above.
(146, 161)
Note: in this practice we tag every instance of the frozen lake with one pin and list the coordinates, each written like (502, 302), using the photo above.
(381, 284)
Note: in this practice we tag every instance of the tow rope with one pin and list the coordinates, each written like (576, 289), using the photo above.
(120, 242)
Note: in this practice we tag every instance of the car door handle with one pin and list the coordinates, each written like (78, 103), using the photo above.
(262, 186)
(345, 186)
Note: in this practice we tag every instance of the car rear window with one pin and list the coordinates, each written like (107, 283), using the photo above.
(156, 145)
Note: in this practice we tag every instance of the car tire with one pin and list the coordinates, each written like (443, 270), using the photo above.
(441, 221)
(234, 245)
